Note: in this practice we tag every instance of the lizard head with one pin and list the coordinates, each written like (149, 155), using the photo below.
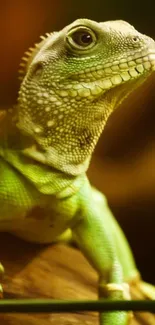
(73, 80)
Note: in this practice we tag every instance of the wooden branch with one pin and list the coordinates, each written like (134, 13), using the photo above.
(49, 271)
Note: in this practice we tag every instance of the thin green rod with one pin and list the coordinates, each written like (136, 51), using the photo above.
(59, 306)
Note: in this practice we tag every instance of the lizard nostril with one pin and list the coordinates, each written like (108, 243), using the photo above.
(135, 39)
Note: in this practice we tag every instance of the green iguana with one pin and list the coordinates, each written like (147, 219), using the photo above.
(72, 81)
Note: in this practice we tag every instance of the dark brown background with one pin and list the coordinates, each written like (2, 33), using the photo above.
(123, 165)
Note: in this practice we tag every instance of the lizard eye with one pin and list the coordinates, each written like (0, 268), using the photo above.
(81, 38)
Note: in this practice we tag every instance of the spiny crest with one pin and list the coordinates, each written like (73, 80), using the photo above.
(30, 54)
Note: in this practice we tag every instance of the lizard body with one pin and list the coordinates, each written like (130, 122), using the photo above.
(72, 81)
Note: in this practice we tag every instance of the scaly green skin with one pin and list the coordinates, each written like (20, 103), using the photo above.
(73, 80)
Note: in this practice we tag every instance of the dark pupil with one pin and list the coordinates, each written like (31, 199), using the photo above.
(82, 38)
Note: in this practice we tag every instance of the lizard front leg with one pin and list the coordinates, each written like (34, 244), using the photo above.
(95, 240)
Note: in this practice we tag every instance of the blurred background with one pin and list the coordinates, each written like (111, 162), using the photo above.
(122, 166)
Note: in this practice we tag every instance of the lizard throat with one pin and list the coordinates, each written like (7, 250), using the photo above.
(67, 143)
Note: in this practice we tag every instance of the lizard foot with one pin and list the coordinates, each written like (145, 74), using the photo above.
(120, 291)
(110, 289)
(66, 237)
(145, 291)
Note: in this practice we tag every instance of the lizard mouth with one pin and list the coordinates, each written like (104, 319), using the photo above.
(94, 81)
(124, 70)
(132, 69)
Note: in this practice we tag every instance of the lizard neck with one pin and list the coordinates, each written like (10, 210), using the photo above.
(69, 147)
(33, 167)
(72, 157)
(44, 177)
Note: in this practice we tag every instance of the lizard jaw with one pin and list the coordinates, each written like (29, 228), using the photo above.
(112, 75)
